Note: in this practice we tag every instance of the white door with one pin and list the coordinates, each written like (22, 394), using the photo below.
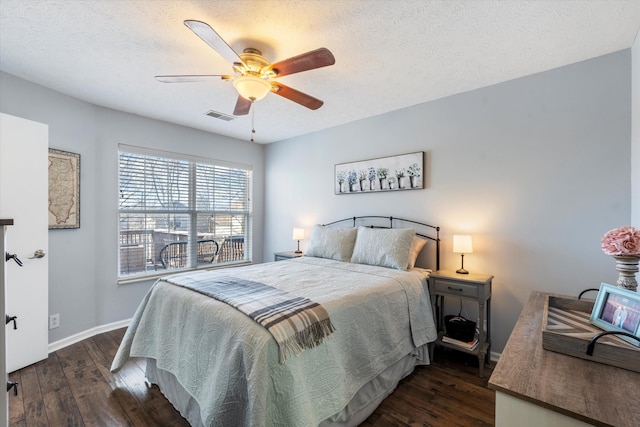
(4, 406)
(24, 148)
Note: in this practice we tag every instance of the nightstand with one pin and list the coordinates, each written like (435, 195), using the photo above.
(281, 256)
(473, 287)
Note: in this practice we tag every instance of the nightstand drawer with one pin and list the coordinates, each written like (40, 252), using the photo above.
(456, 288)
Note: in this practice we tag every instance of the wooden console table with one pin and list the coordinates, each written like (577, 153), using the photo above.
(536, 387)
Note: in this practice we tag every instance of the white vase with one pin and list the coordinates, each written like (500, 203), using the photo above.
(627, 267)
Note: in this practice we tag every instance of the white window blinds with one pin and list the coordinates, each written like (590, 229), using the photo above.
(178, 212)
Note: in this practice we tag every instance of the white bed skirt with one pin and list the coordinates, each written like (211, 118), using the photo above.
(357, 410)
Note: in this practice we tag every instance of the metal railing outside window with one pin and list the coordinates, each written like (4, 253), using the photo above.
(178, 212)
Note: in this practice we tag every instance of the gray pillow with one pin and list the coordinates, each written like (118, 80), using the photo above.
(383, 247)
(416, 246)
(332, 243)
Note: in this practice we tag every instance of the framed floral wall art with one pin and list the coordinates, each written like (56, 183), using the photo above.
(402, 172)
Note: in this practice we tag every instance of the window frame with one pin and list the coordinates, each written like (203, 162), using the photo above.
(193, 211)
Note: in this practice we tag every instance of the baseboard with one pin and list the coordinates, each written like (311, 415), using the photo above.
(65, 342)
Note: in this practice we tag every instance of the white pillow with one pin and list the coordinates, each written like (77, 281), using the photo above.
(332, 243)
(383, 247)
(416, 246)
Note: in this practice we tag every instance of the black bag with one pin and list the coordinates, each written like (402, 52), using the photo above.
(459, 328)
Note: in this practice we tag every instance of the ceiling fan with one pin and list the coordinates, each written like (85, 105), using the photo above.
(253, 74)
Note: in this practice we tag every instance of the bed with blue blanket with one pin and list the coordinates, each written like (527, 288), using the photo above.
(316, 340)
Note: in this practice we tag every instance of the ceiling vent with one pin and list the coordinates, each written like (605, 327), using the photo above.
(221, 116)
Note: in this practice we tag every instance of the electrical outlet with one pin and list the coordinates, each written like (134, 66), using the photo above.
(54, 321)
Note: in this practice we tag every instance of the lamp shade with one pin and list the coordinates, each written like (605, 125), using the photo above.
(462, 244)
(298, 234)
(251, 88)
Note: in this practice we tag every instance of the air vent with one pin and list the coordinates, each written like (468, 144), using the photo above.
(221, 116)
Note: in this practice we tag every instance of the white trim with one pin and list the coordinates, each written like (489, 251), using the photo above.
(179, 156)
(65, 342)
(141, 278)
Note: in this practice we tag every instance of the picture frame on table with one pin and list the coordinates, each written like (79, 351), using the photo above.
(617, 309)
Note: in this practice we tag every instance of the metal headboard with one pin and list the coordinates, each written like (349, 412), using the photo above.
(435, 236)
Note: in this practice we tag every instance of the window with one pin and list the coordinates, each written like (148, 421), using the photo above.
(178, 212)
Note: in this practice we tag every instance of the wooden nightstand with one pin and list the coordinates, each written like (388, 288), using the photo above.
(281, 256)
(474, 287)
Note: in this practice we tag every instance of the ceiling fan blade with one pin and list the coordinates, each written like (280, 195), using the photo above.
(242, 107)
(184, 79)
(210, 37)
(297, 96)
(307, 61)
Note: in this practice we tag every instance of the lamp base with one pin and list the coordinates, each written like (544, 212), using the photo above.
(461, 270)
(297, 252)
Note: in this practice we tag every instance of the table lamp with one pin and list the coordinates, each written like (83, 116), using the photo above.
(462, 245)
(298, 234)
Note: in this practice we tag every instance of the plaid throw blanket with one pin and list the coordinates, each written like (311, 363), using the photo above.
(294, 322)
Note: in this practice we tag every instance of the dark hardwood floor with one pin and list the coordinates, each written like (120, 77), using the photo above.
(74, 387)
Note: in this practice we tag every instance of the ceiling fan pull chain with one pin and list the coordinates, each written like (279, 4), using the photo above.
(253, 120)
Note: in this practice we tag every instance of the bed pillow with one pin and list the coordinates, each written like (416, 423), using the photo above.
(332, 243)
(384, 247)
(416, 246)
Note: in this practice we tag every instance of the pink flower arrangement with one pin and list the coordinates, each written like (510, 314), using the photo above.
(622, 241)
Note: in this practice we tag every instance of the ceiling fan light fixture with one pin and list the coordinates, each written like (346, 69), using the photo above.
(251, 88)
(254, 74)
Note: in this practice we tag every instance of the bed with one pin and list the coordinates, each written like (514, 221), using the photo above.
(218, 367)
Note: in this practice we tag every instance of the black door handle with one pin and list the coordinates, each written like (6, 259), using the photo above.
(8, 256)
(12, 385)
(9, 319)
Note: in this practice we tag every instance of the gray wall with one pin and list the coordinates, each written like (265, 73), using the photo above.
(83, 263)
(536, 169)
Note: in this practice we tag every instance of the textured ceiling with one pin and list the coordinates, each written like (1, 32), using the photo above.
(389, 54)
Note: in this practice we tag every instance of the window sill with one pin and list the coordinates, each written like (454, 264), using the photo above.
(145, 278)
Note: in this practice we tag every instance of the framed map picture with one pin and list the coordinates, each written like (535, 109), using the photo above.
(64, 189)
